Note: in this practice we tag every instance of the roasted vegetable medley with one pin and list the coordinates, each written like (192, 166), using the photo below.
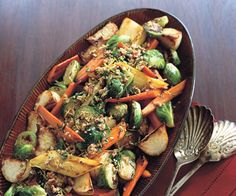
(106, 110)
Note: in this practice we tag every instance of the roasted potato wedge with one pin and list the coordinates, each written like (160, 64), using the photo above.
(83, 185)
(155, 143)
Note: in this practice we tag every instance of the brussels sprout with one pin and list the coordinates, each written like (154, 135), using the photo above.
(71, 72)
(118, 111)
(126, 165)
(155, 59)
(135, 115)
(107, 177)
(24, 145)
(174, 57)
(172, 74)
(58, 89)
(162, 21)
(154, 27)
(35, 190)
(165, 113)
(115, 87)
(26, 137)
(23, 152)
(115, 39)
(86, 112)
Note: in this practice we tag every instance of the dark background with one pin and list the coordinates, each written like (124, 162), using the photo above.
(33, 33)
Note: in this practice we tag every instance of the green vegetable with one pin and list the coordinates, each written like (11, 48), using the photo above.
(34, 190)
(58, 89)
(26, 137)
(162, 21)
(174, 57)
(116, 88)
(23, 152)
(165, 113)
(24, 145)
(172, 74)
(135, 115)
(71, 72)
(86, 112)
(155, 59)
(115, 39)
(107, 177)
(154, 27)
(126, 165)
(118, 111)
(128, 153)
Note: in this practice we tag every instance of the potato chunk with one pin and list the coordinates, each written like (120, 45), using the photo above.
(15, 170)
(155, 143)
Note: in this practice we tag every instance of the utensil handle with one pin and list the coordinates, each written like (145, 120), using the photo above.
(177, 167)
(184, 179)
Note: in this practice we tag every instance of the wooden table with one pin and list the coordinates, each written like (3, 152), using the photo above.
(34, 33)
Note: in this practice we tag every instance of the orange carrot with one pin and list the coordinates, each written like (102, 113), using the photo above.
(82, 75)
(138, 97)
(146, 174)
(104, 192)
(148, 72)
(69, 91)
(120, 45)
(58, 70)
(67, 133)
(152, 43)
(155, 121)
(164, 97)
(116, 134)
(141, 165)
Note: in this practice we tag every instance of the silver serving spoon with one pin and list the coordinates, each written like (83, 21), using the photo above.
(222, 145)
(193, 139)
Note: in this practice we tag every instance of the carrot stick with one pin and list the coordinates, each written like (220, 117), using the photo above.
(138, 97)
(146, 174)
(120, 45)
(68, 133)
(148, 72)
(82, 75)
(116, 134)
(58, 70)
(141, 164)
(152, 43)
(104, 192)
(164, 97)
(69, 91)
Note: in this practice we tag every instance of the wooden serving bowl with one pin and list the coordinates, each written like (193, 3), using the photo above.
(182, 102)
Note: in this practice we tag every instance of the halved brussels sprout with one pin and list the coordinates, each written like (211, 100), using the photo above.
(174, 57)
(25, 145)
(135, 115)
(172, 74)
(155, 59)
(118, 111)
(115, 87)
(165, 113)
(108, 177)
(126, 165)
(71, 72)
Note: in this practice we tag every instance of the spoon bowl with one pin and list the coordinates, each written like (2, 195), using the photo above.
(221, 145)
(193, 139)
